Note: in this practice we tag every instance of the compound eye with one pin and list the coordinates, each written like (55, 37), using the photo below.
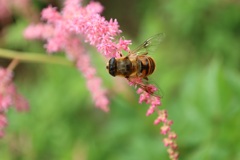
(106, 67)
(112, 66)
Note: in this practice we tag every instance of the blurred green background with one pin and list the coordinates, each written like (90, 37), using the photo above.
(198, 68)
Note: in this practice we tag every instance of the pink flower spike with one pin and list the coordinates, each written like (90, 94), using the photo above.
(76, 52)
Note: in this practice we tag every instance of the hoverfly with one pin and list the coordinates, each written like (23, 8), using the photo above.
(137, 64)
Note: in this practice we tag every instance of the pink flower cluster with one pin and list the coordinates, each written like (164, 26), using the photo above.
(68, 29)
(8, 97)
(147, 95)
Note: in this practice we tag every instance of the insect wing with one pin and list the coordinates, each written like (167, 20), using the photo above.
(149, 45)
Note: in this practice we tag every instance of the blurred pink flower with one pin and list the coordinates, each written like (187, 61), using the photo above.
(75, 51)
(5, 12)
(9, 97)
(3, 124)
(10, 7)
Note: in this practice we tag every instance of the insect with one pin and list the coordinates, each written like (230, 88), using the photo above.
(137, 64)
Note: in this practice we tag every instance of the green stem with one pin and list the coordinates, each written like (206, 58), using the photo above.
(33, 57)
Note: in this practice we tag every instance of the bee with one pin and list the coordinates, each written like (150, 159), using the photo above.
(137, 64)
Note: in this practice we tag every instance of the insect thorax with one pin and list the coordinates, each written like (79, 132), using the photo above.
(124, 67)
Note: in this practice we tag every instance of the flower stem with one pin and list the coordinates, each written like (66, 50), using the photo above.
(33, 57)
(13, 64)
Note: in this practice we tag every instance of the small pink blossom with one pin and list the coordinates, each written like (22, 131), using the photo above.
(165, 129)
(51, 14)
(3, 121)
(170, 140)
(162, 117)
(39, 31)
(172, 135)
(94, 7)
(123, 44)
(9, 97)
(150, 110)
(173, 154)
(167, 142)
(146, 92)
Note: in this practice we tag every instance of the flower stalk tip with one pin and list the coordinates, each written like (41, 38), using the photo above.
(147, 95)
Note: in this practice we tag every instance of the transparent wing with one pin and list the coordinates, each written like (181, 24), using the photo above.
(149, 45)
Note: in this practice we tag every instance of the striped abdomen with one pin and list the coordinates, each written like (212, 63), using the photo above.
(147, 66)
